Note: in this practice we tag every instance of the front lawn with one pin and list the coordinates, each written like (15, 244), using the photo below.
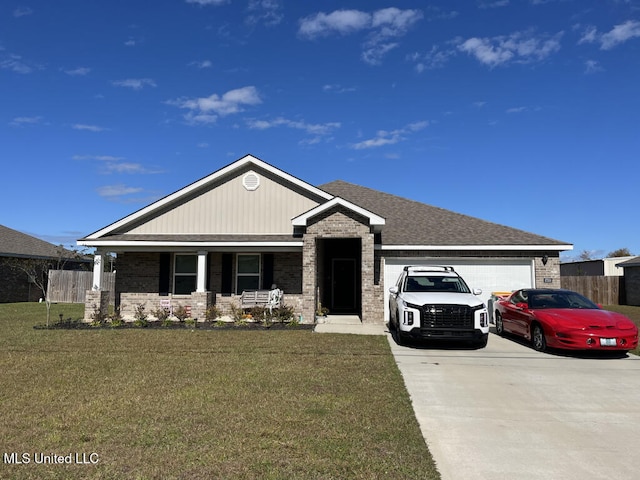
(632, 312)
(201, 404)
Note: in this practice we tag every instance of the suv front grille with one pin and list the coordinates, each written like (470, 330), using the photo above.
(446, 316)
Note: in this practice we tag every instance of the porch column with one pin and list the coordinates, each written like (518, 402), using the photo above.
(201, 282)
(98, 258)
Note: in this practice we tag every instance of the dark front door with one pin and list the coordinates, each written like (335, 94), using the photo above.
(343, 285)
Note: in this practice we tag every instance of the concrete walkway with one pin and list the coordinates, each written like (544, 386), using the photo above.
(349, 324)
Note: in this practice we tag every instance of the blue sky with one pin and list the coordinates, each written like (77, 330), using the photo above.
(519, 112)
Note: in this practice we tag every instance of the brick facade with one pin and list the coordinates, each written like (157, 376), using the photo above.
(340, 223)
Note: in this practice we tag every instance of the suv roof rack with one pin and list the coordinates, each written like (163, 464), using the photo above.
(428, 268)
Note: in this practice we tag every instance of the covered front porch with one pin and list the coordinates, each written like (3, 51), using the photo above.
(197, 280)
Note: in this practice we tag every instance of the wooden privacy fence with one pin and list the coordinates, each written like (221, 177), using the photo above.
(602, 290)
(70, 286)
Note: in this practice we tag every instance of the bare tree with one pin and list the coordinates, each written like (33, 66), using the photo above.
(585, 255)
(37, 269)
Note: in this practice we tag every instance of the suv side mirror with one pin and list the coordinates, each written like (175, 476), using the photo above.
(477, 291)
(393, 290)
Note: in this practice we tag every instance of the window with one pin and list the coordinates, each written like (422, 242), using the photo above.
(248, 272)
(185, 274)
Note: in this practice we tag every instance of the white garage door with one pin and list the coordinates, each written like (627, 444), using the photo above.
(488, 274)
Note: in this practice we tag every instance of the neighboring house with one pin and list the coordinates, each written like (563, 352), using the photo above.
(19, 249)
(250, 225)
(604, 267)
(632, 280)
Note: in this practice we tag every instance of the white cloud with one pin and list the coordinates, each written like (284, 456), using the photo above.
(135, 83)
(110, 164)
(117, 190)
(519, 47)
(317, 129)
(207, 109)
(208, 2)
(202, 64)
(267, 12)
(22, 121)
(22, 12)
(592, 66)
(102, 158)
(90, 128)
(17, 64)
(384, 137)
(79, 71)
(343, 22)
(337, 88)
(493, 4)
(516, 110)
(382, 26)
(618, 34)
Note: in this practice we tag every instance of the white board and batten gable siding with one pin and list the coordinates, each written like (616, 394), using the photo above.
(249, 203)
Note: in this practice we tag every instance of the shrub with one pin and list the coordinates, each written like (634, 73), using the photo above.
(141, 317)
(98, 317)
(237, 314)
(283, 314)
(181, 313)
(259, 314)
(161, 314)
(115, 319)
(213, 313)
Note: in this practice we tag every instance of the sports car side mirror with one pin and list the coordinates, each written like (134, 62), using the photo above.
(477, 291)
(393, 290)
(522, 306)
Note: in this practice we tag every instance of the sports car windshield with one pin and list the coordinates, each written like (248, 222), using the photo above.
(428, 283)
(541, 300)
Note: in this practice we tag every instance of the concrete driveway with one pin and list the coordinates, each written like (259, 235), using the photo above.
(509, 412)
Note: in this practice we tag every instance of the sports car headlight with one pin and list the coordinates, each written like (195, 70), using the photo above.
(623, 325)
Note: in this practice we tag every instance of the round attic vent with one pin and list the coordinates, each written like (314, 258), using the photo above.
(251, 181)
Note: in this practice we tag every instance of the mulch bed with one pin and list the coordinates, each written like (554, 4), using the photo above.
(78, 325)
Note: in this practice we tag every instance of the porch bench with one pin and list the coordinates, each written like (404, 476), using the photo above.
(254, 298)
(261, 298)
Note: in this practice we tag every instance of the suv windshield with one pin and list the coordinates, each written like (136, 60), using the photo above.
(428, 283)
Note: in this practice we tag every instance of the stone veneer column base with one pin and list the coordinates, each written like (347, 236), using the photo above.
(95, 300)
(200, 302)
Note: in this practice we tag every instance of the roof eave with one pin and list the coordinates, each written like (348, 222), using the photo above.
(559, 248)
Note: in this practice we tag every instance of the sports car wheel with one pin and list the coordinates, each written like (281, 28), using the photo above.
(537, 339)
(499, 325)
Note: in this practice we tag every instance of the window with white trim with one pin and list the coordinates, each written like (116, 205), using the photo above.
(185, 274)
(247, 272)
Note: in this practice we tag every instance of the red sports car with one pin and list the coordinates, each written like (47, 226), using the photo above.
(563, 319)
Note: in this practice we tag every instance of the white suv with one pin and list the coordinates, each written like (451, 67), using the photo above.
(435, 303)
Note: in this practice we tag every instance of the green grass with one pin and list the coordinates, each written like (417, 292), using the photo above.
(632, 312)
(203, 404)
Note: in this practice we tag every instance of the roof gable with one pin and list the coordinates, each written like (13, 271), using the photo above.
(374, 220)
(414, 224)
(182, 211)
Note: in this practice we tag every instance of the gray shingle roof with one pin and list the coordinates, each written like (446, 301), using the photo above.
(413, 223)
(632, 262)
(17, 244)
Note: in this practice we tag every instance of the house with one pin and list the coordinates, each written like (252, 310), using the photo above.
(22, 257)
(632, 280)
(603, 267)
(250, 225)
